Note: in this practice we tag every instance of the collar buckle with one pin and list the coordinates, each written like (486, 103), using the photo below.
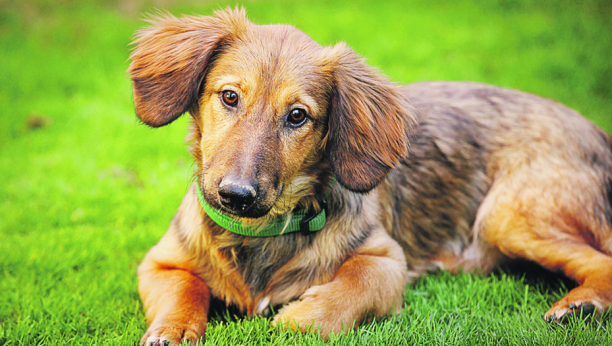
(305, 222)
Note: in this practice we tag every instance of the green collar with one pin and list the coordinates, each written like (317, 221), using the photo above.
(301, 220)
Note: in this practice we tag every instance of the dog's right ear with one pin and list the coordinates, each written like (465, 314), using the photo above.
(171, 58)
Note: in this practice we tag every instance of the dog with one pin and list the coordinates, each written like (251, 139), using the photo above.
(325, 188)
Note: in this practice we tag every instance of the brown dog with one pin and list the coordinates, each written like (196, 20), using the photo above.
(280, 124)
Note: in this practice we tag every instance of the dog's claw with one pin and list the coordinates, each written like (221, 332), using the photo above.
(166, 343)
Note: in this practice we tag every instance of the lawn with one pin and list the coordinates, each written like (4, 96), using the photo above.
(86, 190)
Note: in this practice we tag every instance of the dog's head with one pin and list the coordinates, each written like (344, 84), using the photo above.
(275, 114)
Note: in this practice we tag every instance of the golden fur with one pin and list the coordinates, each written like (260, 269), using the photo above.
(492, 174)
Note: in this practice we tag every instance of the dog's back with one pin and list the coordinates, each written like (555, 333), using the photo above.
(497, 173)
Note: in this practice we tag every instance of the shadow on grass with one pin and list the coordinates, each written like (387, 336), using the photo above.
(222, 312)
(537, 276)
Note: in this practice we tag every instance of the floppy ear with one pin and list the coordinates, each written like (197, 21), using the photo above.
(170, 61)
(369, 123)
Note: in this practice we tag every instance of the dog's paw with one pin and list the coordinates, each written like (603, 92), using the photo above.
(304, 316)
(581, 302)
(565, 314)
(575, 305)
(317, 312)
(167, 335)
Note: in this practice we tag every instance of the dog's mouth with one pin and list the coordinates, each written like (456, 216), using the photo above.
(251, 212)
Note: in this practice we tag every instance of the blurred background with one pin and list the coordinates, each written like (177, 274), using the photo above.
(86, 190)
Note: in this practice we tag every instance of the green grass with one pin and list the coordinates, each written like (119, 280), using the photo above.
(84, 195)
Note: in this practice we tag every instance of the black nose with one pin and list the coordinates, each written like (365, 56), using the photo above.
(237, 197)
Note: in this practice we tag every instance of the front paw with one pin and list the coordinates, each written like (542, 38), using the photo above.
(304, 316)
(319, 313)
(172, 334)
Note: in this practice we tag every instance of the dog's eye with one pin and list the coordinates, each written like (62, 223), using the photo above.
(297, 117)
(230, 98)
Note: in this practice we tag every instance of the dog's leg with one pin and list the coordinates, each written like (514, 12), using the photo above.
(589, 267)
(593, 272)
(176, 301)
(370, 283)
(558, 238)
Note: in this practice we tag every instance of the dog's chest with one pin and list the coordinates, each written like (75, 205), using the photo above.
(239, 269)
(258, 259)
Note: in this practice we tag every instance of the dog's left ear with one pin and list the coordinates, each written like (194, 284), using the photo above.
(369, 122)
